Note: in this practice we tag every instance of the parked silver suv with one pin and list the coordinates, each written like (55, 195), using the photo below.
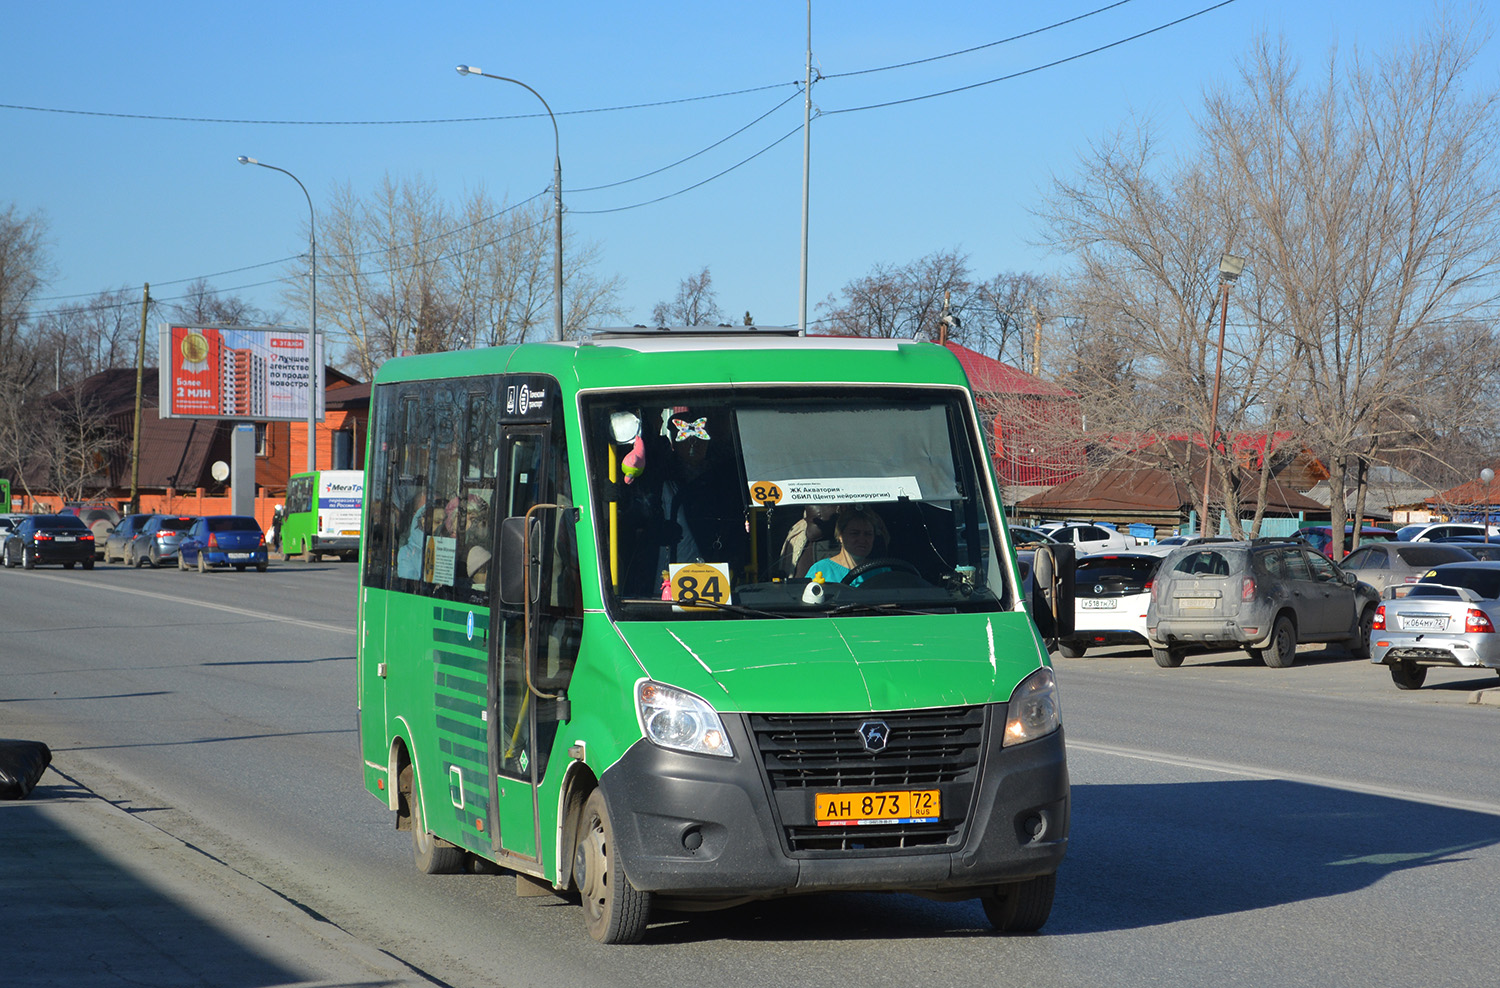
(1265, 596)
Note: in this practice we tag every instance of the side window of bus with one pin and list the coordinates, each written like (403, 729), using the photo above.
(476, 497)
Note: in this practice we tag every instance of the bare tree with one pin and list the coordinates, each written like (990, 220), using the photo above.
(903, 301)
(403, 271)
(695, 305)
(201, 305)
(1373, 202)
(24, 268)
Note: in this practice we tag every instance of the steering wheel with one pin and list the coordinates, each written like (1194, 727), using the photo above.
(889, 562)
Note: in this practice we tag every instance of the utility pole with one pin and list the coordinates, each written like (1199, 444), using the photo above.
(140, 370)
(1036, 343)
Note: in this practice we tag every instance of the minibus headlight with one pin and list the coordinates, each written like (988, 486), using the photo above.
(679, 720)
(1032, 711)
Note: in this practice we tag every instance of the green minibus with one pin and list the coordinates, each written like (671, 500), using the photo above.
(322, 514)
(682, 619)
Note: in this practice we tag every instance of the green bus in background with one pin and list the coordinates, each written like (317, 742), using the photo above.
(688, 618)
(322, 514)
(5, 496)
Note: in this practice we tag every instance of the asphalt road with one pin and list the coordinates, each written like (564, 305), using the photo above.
(1233, 825)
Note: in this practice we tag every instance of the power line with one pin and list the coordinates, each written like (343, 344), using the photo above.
(991, 44)
(1036, 68)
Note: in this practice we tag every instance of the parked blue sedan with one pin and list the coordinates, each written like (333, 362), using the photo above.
(223, 540)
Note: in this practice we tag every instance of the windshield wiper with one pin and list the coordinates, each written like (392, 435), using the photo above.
(705, 602)
(877, 608)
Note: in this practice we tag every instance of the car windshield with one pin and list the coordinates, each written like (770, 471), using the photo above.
(1484, 582)
(744, 496)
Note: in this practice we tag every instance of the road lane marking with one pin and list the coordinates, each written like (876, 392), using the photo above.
(242, 612)
(1259, 772)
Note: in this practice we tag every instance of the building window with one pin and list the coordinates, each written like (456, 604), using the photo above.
(262, 442)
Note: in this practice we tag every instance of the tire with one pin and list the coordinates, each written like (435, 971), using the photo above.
(1022, 907)
(28, 559)
(260, 567)
(1281, 651)
(1408, 675)
(613, 910)
(5, 558)
(1167, 658)
(202, 563)
(154, 557)
(181, 563)
(239, 567)
(88, 564)
(68, 564)
(1360, 647)
(433, 855)
(1069, 650)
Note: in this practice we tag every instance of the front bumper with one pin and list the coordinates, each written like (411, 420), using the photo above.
(707, 828)
(1476, 650)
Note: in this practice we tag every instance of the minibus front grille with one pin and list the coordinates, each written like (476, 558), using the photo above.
(929, 749)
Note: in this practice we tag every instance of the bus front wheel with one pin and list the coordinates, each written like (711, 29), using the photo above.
(433, 855)
(614, 910)
(1022, 907)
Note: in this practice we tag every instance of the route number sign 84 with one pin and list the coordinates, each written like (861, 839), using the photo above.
(703, 584)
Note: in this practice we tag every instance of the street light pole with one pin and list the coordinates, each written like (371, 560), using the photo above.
(1486, 475)
(312, 337)
(557, 268)
(1229, 269)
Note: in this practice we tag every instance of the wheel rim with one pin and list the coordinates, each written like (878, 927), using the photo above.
(595, 889)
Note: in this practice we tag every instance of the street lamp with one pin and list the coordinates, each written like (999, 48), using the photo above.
(312, 337)
(557, 269)
(1487, 475)
(1229, 269)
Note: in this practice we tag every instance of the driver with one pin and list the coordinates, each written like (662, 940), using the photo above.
(858, 531)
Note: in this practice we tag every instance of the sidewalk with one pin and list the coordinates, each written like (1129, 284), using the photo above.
(91, 895)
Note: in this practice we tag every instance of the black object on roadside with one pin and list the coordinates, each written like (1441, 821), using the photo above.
(21, 766)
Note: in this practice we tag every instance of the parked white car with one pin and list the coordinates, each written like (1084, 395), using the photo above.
(1111, 592)
(1086, 538)
(1432, 531)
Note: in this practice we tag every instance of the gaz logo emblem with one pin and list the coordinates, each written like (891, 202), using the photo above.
(874, 734)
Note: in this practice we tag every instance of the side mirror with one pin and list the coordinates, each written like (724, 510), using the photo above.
(520, 549)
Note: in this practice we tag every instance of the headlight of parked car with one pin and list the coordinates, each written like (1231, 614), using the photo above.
(1032, 711)
(679, 720)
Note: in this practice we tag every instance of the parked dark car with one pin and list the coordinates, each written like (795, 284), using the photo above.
(1265, 596)
(117, 545)
(223, 540)
(46, 539)
(1320, 537)
(158, 539)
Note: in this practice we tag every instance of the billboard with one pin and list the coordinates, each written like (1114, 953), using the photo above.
(220, 372)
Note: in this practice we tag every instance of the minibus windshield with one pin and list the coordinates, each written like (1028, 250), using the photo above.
(747, 503)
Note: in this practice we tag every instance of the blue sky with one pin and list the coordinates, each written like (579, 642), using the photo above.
(132, 197)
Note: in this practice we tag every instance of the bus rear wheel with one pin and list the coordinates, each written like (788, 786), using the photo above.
(613, 910)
